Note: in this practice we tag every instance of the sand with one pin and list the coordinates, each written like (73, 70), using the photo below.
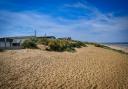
(88, 68)
(125, 49)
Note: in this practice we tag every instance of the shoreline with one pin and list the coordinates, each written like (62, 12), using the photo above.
(122, 48)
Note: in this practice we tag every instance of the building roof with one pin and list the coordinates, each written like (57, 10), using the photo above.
(7, 40)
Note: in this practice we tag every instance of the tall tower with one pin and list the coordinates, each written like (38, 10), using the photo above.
(45, 35)
(35, 33)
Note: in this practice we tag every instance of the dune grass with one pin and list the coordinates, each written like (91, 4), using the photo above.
(29, 44)
(62, 45)
(106, 47)
(54, 44)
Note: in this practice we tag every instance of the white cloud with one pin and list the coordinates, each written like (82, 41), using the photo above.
(76, 5)
(99, 28)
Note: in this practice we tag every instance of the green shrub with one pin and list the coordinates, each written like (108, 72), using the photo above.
(53, 44)
(56, 45)
(59, 45)
(64, 45)
(34, 39)
(102, 46)
(29, 44)
(98, 45)
(90, 43)
(78, 44)
(43, 41)
(106, 47)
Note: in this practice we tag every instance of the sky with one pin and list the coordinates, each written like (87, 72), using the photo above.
(85, 20)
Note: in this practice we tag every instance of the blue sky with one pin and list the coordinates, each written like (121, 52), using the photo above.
(86, 20)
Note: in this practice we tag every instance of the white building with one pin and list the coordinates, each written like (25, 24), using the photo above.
(12, 42)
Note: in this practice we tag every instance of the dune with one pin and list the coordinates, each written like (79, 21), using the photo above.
(87, 68)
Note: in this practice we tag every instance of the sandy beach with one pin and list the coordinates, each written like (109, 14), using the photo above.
(125, 49)
(88, 68)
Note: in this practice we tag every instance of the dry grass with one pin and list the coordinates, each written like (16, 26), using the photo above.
(88, 68)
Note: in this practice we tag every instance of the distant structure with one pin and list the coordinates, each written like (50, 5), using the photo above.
(5, 42)
(45, 35)
(48, 37)
(65, 38)
(35, 33)
(13, 42)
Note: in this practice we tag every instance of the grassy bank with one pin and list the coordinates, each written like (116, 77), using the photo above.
(106, 47)
(62, 45)
(54, 44)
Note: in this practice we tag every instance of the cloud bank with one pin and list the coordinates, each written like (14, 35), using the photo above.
(97, 26)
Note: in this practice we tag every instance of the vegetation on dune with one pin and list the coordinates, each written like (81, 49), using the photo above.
(61, 45)
(102, 46)
(43, 41)
(106, 47)
(78, 44)
(120, 51)
(30, 43)
(54, 44)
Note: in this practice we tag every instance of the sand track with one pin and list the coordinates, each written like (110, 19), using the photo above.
(88, 68)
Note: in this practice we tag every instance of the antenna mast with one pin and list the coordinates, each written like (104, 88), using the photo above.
(45, 35)
(35, 33)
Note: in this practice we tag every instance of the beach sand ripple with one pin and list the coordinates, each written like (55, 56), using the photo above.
(88, 68)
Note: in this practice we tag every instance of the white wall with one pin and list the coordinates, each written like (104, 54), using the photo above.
(2, 44)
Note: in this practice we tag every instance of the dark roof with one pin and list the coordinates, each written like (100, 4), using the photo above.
(7, 40)
(26, 37)
(21, 37)
(50, 37)
(65, 38)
